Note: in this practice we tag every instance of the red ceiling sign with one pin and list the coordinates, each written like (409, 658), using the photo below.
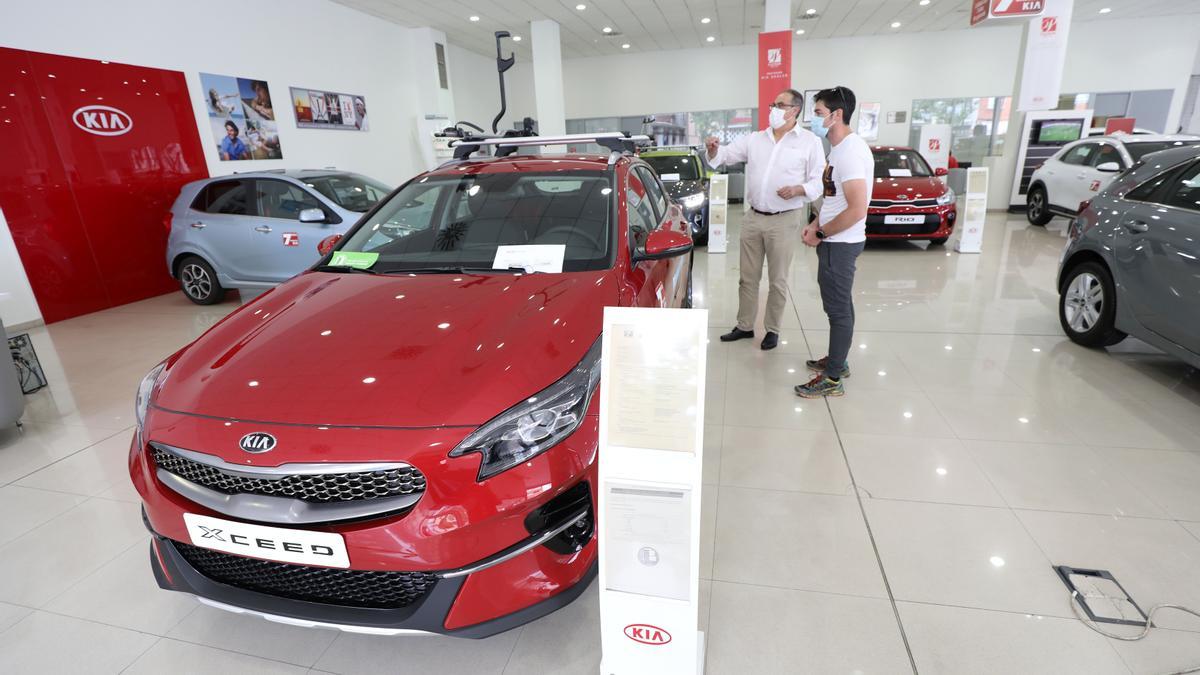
(979, 10)
(1049, 25)
(1016, 8)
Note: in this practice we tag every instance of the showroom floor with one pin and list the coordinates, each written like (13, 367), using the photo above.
(984, 447)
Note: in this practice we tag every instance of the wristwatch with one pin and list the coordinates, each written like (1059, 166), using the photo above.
(820, 233)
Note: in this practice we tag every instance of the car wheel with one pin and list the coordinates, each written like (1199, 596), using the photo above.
(1037, 208)
(939, 241)
(1087, 307)
(199, 282)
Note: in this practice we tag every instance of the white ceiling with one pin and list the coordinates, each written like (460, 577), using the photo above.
(653, 25)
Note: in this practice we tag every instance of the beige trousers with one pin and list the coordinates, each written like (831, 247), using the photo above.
(770, 239)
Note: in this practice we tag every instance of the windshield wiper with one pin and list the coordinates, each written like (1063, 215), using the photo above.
(441, 270)
(342, 268)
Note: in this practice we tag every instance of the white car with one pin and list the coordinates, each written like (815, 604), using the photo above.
(1083, 168)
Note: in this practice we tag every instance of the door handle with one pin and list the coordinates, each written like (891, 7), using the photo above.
(1136, 226)
(262, 228)
(199, 226)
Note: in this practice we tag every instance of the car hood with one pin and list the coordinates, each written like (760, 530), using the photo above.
(681, 188)
(915, 188)
(390, 351)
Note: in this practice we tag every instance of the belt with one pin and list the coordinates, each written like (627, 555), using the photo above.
(771, 213)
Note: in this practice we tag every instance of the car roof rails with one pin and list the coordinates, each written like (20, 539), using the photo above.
(615, 141)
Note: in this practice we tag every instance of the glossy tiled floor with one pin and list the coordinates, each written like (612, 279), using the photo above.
(984, 447)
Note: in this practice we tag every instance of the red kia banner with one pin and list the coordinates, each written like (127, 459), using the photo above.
(982, 10)
(774, 69)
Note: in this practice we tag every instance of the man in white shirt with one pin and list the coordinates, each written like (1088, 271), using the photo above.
(839, 234)
(783, 173)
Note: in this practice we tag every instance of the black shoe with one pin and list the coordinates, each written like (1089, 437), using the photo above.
(737, 334)
(770, 341)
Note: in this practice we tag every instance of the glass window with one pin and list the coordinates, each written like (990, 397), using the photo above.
(677, 128)
(279, 199)
(227, 197)
(1080, 154)
(640, 214)
(1184, 192)
(460, 221)
(900, 164)
(1107, 153)
(1140, 150)
(655, 190)
(349, 190)
(977, 125)
(1146, 190)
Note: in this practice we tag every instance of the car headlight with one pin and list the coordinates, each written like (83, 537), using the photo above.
(946, 198)
(145, 392)
(693, 201)
(536, 424)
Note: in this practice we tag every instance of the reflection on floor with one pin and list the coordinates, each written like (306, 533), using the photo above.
(985, 448)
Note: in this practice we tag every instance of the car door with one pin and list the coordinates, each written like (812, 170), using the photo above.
(281, 245)
(1158, 256)
(216, 227)
(1065, 188)
(667, 278)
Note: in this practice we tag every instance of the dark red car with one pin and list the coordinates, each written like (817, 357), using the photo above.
(909, 200)
(404, 437)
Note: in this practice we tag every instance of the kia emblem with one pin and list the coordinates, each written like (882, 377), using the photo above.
(102, 120)
(257, 442)
(647, 634)
(901, 197)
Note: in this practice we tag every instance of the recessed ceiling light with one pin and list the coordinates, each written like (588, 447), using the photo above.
(606, 29)
(800, 32)
(895, 24)
(710, 39)
(923, 3)
(516, 38)
(1105, 10)
(581, 7)
(706, 20)
(810, 12)
(474, 18)
(625, 46)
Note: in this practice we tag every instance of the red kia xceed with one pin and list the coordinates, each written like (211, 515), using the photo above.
(909, 200)
(404, 438)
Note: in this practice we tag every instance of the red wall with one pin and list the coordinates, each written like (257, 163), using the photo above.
(85, 210)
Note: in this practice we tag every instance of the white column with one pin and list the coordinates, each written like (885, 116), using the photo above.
(547, 79)
(432, 106)
(777, 15)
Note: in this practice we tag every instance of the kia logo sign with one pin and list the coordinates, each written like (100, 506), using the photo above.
(102, 120)
(257, 442)
(647, 634)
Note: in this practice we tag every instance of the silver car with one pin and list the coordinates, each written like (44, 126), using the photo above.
(1132, 262)
(255, 230)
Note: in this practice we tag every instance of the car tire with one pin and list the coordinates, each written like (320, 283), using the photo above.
(198, 281)
(940, 241)
(1087, 307)
(1037, 207)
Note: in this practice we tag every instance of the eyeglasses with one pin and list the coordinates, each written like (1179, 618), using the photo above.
(783, 106)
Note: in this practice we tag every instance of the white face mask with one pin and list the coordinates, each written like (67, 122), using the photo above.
(777, 119)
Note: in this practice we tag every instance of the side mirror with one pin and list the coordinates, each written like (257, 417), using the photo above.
(1108, 167)
(941, 171)
(312, 216)
(662, 244)
(326, 245)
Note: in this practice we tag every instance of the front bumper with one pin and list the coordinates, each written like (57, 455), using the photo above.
(938, 222)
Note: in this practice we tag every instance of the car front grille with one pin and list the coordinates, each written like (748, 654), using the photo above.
(316, 488)
(350, 588)
(876, 225)
(886, 203)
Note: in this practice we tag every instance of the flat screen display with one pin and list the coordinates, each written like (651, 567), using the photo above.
(1063, 131)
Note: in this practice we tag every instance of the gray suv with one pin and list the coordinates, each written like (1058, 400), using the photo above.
(255, 230)
(1132, 262)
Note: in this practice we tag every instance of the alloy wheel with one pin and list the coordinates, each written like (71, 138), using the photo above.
(196, 281)
(1084, 302)
(1036, 202)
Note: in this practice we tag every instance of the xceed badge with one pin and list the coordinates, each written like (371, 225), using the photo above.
(647, 634)
(259, 441)
(102, 120)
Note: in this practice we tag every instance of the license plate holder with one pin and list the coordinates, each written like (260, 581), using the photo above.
(278, 544)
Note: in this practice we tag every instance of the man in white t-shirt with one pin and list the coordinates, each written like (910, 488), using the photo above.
(839, 234)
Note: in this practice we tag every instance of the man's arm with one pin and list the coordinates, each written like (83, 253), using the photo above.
(856, 207)
(733, 153)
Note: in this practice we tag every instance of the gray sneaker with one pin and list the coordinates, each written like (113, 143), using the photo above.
(820, 364)
(820, 386)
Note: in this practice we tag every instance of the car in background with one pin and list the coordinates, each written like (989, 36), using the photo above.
(405, 436)
(909, 199)
(1132, 262)
(1084, 168)
(255, 230)
(686, 177)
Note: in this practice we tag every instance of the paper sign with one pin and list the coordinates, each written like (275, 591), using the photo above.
(531, 257)
(900, 173)
(648, 548)
(356, 259)
(669, 177)
(656, 380)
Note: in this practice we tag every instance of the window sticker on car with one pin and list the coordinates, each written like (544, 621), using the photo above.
(900, 173)
(669, 177)
(356, 259)
(531, 257)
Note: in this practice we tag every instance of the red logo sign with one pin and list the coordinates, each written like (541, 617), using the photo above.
(647, 634)
(935, 144)
(1095, 186)
(291, 239)
(1049, 25)
(1010, 8)
(102, 120)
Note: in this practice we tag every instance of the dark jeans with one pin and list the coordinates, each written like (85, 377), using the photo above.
(835, 276)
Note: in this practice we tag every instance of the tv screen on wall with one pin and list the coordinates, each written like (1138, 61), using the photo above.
(1059, 131)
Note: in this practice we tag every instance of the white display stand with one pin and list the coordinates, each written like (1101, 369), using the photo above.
(970, 239)
(718, 207)
(651, 454)
(935, 145)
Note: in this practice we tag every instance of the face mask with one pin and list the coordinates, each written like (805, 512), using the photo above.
(777, 119)
(817, 125)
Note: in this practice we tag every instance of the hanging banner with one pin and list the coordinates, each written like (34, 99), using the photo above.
(935, 144)
(981, 10)
(1045, 54)
(774, 69)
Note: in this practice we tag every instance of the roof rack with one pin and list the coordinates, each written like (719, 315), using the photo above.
(616, 141)
(671, 147)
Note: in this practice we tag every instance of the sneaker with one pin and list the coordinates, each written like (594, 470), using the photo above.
(820, 364)
(737, 334)
(770, 341)
(820, 386)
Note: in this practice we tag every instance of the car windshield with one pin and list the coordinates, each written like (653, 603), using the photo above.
(900, 164)
(667, 165)
(349, 190)
(440, 223)
(1140, 150)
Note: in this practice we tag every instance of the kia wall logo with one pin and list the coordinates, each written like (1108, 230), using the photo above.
(1049, 25)
(647, 634)
(257, 442)
(774, 57)
(102, 120)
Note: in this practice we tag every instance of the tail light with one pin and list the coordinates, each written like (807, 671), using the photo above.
(1083, 205)
(326, 245)
(167, 219)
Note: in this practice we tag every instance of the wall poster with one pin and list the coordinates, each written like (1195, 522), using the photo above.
(328, 110)
(242, 117)
(774, 69)
(868, 121)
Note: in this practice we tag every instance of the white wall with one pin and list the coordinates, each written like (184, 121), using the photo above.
(477, 89)
(17, 304)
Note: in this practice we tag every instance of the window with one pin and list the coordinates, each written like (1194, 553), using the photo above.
(227, 197)
(1184, 192)
(279, 199)
(900, 163)
(443, 79)
(684, 166)
(641, 214)
(1141, 149)
(678, 128)
(655, 191)
(1107, 153)
(1080, 154)
(977, 125)
(1146, 190)
(349, 191)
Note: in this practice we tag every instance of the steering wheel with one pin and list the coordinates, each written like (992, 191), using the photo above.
(596, 243)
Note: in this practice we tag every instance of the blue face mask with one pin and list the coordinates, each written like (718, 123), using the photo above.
(817, 126)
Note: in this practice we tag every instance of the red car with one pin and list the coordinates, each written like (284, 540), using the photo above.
(909, 200)
(404, 437)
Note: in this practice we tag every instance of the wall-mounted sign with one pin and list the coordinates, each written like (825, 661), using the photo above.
(328, 110)
(102, 120)
(242, 117)
(981, 10)
(868, 120)
(774, 68)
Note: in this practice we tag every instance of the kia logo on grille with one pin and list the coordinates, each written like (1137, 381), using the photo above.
(647, 634)
(258, 441)
(102, 120)
(901, 198)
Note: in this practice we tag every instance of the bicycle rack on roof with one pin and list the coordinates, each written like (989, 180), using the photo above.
(615, 141)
